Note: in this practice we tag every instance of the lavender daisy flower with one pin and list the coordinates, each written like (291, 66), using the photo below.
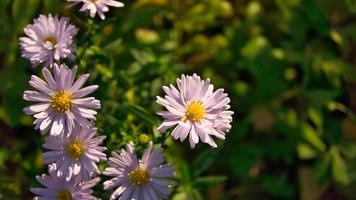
(144, 179)
(60, 188)
(195, 110)
(77, 154)
(60, 102)
(47, 39)
(97, 6)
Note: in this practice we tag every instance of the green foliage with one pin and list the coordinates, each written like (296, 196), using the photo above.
(287, 65)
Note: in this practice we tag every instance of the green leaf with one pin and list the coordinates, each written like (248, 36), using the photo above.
(320, 98)
(323, 167)
(204, 161)
(339, 170)
(306, 152)
(15, 83)
(181, 196)
(22, 12)
(254, 46)
(316, 117)
(141, 113)
(4, 4)
(316, 16)
(312, 137)
(351, 5)
(106, 72)
(210, 180)
(188, 195)
(51, 6)
(112, 46)
(278, 186)
(243, 158)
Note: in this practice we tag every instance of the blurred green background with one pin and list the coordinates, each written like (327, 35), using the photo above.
(288, 66)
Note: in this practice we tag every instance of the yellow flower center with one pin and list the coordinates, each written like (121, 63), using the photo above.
(64, 194)
(139, 177)
(61, 101)
(93, 1)
(195, 112)
(51, 39)
(143, 138)
(75, 149)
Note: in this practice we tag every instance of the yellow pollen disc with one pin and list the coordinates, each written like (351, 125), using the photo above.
(139, 177)
(51, 39)
(61, 101)
(64, 194)
(93, 1)
(195, 112)
(143, 138)
(75, 149)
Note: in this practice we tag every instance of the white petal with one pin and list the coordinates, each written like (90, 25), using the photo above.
(85, 91)
(167, 124)
(193, 138)
(58, 125)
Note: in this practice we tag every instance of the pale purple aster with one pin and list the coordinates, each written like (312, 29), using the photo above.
(60, 102)
(62, 189)
(48, 39)
(144, 179)
(195, 109)
(97, 6)
(76, 155)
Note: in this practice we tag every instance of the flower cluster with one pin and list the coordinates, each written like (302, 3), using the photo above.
(66, 115)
